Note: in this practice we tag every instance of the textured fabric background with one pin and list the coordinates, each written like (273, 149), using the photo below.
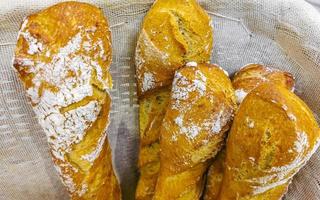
(283, 34)
(315, 3)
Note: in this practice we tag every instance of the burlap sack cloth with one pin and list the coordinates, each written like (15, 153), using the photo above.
(284, 34)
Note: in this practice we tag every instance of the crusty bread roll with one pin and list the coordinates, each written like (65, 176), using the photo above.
(63, 56)
(273, 135)
(173, 33)
(252, 75)
(193, 130)
(244, 81)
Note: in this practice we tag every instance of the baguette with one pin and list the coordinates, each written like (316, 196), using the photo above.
(62, 56)
(273, 135)
(172, 34)
(193, 130)
(244, 81)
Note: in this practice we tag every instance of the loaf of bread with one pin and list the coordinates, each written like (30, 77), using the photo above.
(244, 81)
(252, 75)
(173, 33)
(273, 135)
(62, 56)
(198, 116)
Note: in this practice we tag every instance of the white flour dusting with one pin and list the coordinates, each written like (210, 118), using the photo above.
(252, 159)
(148, 81)
(64, 80)
(250, 122)
(191, 131)
(216, 127)
(285, 107)
(34, 45)
(150, 53)
(192, 64)
(292, 117)
(195, 84)
(84, 189)
(182, 87)
(179, 121)
(301, 143)
(240, 95)
(282, 174)
(91, 157)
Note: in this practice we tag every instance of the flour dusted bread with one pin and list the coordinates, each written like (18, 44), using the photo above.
(273, 135)
(245, 80)
(199, 113)
(173, 33)
(63, 56)
(252, 75)
(152, 110)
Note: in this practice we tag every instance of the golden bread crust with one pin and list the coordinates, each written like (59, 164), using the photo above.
(214, 177)
(193, 130)
(63, 55)
(151, 112)
(173, 33)
(273, 135)
(252, 75)
(244, 81)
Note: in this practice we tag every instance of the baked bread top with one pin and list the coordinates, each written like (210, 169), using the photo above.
(173, 33)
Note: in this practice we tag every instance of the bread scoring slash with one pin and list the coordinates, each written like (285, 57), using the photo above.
(63, 55)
